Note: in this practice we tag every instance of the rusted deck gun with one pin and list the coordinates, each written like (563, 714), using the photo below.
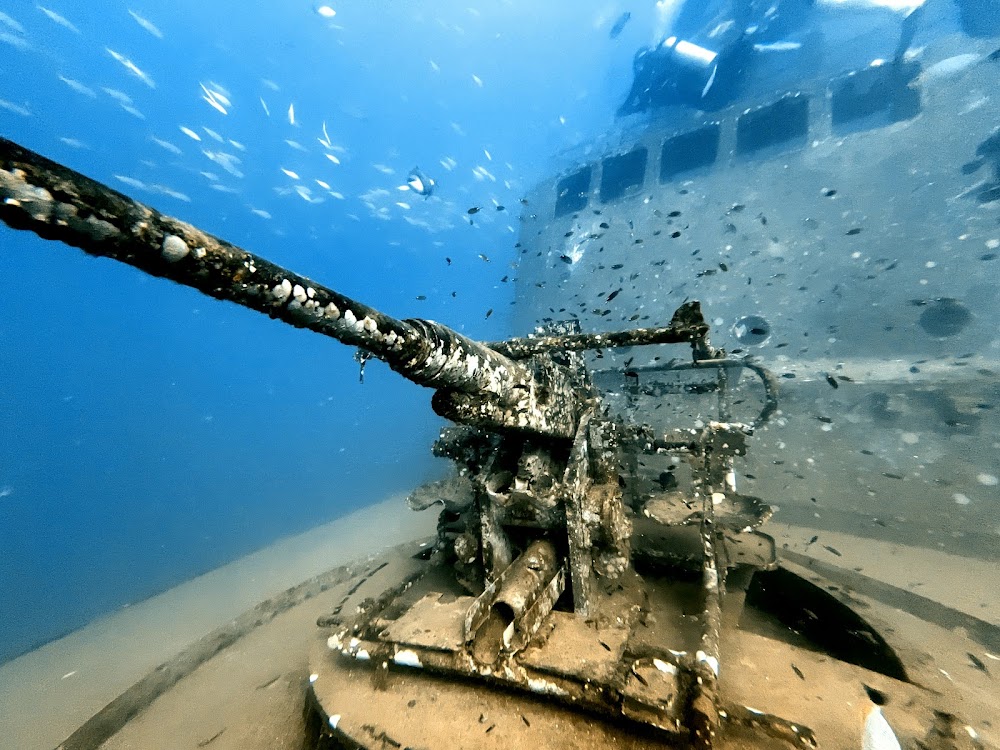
(520, 389)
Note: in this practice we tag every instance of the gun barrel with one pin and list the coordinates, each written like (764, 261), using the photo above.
(57, 203)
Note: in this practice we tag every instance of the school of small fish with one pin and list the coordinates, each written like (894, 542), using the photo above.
(434, 214)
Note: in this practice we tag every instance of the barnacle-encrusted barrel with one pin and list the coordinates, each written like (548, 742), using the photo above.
(477, 384)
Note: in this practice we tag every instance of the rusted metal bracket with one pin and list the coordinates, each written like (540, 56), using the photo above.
(510, 610)
(598, 531)
(703, 706)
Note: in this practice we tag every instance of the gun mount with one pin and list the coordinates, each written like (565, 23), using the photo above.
(556, 571)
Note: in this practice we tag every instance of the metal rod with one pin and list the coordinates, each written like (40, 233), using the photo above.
(770, 393)
(767, 379)
(725, 405)
(576, 481)
(687, 326)
(704, 703)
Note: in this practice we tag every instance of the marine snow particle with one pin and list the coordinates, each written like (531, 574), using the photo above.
(174, 248)
(988, 480)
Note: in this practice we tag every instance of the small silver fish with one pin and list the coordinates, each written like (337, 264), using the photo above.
(146, 24)
(17, 109)
(777, 47)
(132, 68)
(11, 23)
(79, 87)
(62, 21)
(420, 183)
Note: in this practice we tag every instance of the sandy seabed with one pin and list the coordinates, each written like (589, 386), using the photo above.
(47, 693)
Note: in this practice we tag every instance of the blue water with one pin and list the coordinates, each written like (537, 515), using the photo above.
(147, 433)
